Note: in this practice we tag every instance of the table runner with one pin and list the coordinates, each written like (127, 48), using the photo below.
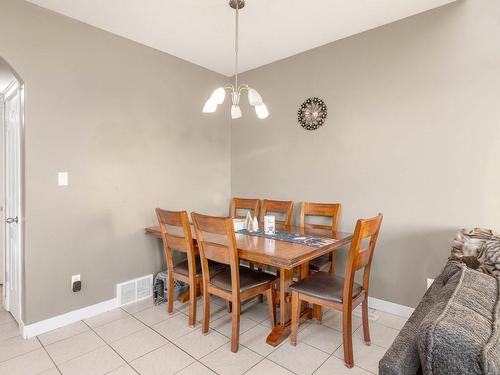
(300, 238)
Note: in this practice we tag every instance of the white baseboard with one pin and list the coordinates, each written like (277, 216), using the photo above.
(390, 307)
(62, 320)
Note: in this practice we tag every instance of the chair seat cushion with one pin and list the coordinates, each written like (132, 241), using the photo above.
(326, 286)
(318, 264)
(248, 279)
(182, 267)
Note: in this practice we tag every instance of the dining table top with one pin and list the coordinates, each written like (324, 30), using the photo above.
(279, 253)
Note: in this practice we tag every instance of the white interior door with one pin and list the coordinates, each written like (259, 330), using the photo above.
(12, 208)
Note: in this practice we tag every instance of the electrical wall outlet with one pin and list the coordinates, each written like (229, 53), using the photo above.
(76, 284)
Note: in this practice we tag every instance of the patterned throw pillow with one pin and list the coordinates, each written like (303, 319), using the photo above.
(479, 249)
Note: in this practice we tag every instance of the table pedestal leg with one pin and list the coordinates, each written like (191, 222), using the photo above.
(282, 330)
(183, 297)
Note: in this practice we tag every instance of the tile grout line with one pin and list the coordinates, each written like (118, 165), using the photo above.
(304, 343)
(330, 356)
(48, 354)
(108, 344)
(210, 352)
(251, 367)
(105, 342)
(171, 342)
(17, 355)
(322, 363)
(147, 326)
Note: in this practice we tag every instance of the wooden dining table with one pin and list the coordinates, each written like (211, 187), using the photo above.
(286, 257)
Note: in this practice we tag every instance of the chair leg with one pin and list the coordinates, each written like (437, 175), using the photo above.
(206, 311)
(333, 259)
(260, 298)
(295, 318)
(271, 306)
(318, 313)
(347, 337)
(366, 328)
(193, 288)
(235, 329)
(170, 302)
(229, 307)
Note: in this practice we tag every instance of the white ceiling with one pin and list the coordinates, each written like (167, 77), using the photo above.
(201, 31)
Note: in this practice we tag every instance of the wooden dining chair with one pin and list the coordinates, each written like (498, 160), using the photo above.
(341, 293)
(251, 205)
(247, 204)
(284, 208)
(217, 242)
(328, 211)
(176, 234)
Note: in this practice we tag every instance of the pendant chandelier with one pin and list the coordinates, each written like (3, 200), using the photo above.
(236, 90)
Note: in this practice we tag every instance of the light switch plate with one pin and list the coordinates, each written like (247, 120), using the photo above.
(62, 178)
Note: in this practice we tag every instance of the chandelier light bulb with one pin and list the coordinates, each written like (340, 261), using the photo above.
(218, 95)
(210, 106)
(254, 97)
(261, 111)
(235, 112)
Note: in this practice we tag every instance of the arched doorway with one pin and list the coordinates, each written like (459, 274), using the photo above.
(11, 188)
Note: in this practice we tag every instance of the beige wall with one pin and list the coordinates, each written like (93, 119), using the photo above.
(413, 131)
(125, 121)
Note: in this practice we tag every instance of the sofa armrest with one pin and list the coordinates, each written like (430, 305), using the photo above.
(402, 358)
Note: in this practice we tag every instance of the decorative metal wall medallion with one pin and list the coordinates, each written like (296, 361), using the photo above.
(312, 113)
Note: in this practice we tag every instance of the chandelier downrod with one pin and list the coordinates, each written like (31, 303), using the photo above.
(236, 46)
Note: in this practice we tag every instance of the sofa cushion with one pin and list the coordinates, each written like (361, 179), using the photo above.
(452, 336)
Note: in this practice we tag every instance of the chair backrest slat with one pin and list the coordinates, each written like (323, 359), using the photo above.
(361, 258)
(216, 252)
(248, 204)
(364, 258)
(280, 207)
(327, 210)
(177, 243)
(208, 224)
(176, 234)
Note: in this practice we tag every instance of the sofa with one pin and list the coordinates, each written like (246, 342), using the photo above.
(455, 328)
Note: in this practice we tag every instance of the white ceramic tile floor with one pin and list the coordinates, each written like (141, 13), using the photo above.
(143, 339)
(216, 311)
(379, 335)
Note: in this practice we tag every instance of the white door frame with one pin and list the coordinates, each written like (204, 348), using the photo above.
(20, 223)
